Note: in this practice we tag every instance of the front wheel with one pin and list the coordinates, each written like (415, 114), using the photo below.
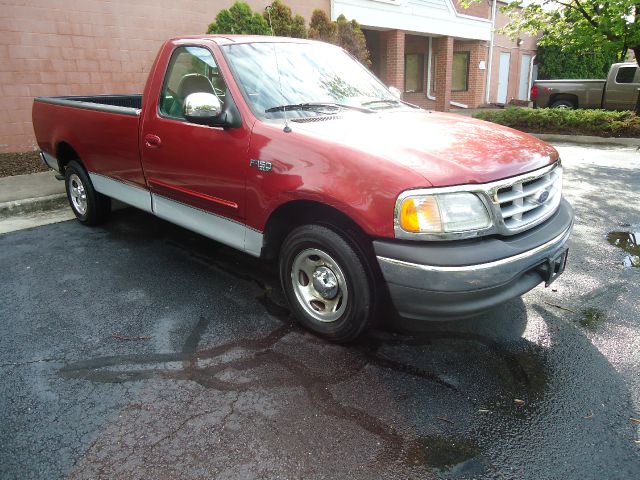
(327, 282)
(89, 206)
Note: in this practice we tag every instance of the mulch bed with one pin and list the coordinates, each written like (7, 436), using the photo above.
(21, 163)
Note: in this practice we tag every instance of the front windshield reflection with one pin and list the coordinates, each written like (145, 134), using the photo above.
(276, 74)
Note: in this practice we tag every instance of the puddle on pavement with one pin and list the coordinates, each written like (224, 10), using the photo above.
(592, 318)
(627, 241)
(454, 456)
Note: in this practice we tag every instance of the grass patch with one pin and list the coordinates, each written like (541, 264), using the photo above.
(601, 123)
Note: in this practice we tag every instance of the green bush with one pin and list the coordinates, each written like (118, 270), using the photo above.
(283, 22)
(342, 32)
(556, 61)
(601, 123)
(239, 20)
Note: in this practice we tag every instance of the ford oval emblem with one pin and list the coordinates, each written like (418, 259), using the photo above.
(543, 196)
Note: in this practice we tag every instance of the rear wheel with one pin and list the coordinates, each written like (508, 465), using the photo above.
(89, 206)
(327, 282)
(563, 104)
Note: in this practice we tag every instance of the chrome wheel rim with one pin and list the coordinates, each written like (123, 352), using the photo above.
(319, 285)
(78, 194)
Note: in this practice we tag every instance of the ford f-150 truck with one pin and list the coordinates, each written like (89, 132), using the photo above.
(291, 150)
(618, 92)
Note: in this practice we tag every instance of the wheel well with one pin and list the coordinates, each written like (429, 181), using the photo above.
(65, 153)
(299, 212)
(564, 96)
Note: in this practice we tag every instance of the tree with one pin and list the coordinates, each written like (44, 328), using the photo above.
(283, 23)
(350, 37)
(579, 24)
(239, 19)
(298, 27)
(344, 33)
(558, 61)
(321, 27)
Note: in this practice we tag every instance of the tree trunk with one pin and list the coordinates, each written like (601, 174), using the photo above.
(636, 52)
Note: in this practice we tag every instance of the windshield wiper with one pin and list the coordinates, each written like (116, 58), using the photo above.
(382, 100)
(316, 106)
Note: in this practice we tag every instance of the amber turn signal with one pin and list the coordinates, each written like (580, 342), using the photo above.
(420, 214)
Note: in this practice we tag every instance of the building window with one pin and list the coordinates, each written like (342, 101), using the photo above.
(413, 72)
(460, 72)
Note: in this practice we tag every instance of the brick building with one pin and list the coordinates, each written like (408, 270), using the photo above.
(437, 52)
(433, 50)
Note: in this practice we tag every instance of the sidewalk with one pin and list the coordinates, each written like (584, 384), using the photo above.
(23, 196)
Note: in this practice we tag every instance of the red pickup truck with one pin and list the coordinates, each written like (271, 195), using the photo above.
(290, 149)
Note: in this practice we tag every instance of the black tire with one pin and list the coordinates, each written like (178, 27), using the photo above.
(360, 296)
(567, 104)
(97, 207)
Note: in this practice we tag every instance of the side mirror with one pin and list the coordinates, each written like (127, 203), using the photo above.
(395, 92)
(203, 108)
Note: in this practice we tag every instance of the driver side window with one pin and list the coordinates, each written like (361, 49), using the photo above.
(191, 70)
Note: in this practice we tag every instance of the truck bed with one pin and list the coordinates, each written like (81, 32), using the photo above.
(101, 130)
(122, 104)
(582, 93)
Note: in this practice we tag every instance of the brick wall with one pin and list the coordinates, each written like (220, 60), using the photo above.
(474, 96)
(443, 53)
(84, 47)
(480, 9)
(503, 43)
(392, 74)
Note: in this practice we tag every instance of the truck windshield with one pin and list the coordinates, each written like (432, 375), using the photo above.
(305, 79)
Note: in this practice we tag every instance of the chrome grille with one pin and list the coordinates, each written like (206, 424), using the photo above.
(526, 202)
(514, 204)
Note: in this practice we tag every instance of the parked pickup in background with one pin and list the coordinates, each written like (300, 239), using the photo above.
(618, 92)
(292, 151)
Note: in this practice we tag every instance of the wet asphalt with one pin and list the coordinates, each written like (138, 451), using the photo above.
(141, 350)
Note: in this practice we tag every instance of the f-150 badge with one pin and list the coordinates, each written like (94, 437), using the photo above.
(261, 164)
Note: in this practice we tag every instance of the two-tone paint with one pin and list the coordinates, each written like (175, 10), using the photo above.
(209, 179)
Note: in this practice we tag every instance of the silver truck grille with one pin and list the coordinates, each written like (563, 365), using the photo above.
(514, 204)
(526, 202)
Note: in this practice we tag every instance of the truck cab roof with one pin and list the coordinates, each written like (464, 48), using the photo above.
(223, 39)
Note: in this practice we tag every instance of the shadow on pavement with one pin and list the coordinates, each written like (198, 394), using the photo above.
(467, 399)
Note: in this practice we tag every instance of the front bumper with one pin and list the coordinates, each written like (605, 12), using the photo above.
(449, 280)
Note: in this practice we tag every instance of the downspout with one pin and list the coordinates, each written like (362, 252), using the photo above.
(533, 58)
(490, 60)
(429, 96)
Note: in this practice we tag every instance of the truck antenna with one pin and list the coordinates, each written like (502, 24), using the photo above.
(287, 128)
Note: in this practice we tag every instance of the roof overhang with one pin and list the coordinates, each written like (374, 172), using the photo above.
(437, 17)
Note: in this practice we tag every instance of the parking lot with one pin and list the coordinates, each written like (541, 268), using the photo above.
(141, 350)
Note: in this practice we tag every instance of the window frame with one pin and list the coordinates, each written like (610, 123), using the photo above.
(420, 71)
(159, 113)
(466, 80)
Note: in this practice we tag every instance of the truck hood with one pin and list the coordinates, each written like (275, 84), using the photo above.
(446, 149)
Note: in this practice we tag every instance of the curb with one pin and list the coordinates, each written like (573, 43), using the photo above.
(587, 139)
(32, 205)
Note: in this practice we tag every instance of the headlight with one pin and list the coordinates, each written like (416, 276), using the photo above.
(443, 213)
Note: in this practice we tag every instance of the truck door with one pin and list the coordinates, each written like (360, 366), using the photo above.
(621, 91)
(194, 170)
